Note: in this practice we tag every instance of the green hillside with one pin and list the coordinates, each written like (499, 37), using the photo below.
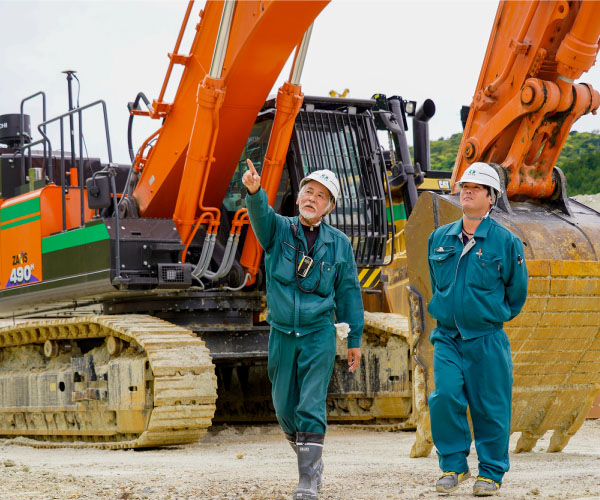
(579, 160)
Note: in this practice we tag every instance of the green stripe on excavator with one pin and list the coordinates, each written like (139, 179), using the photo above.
(75, 237)
(8, 225)
(399, 212)
(27, 207)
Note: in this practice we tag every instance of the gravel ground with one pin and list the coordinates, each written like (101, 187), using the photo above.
(256, 463)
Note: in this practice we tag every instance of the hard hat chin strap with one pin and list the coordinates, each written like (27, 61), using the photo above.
(312, 224)
(478, 218)
(494, 201)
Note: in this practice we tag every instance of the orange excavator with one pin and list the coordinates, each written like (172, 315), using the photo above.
(128, 291)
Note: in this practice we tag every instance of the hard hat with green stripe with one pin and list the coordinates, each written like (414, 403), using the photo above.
(483, 174)
(325, 177)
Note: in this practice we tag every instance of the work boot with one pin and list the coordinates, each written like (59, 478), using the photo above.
(485, 487)
(450, 481)
(292, 440)
(309, 447)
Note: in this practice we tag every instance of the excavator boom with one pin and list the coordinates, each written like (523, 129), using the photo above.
(178, 168)
(526, 99)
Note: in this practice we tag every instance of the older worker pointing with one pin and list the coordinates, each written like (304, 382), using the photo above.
(311, 283)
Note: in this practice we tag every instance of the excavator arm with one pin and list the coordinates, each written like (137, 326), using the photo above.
(236, 56)
(526, 99)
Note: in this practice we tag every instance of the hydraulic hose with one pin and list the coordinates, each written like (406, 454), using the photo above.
(131, 106)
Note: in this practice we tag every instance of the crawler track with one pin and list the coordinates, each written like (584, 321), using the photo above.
(174, 403)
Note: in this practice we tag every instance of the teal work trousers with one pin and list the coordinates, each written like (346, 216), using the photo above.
(300, 368)
(477, 373)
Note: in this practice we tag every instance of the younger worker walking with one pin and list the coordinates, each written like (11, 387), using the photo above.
(311, 279)
(479, 281)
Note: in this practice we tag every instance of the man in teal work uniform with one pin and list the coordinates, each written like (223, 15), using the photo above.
(479, 281)
(311, 281)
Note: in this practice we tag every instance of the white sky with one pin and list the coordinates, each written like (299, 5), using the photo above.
(416, 49)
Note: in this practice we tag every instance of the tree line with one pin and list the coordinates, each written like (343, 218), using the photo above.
(579, 159)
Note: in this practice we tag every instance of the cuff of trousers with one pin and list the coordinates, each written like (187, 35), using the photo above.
(310, 437)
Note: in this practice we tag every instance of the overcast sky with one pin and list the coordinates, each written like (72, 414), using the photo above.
(416, 49)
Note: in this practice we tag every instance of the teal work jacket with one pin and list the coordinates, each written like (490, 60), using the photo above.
(479, 286)
(338, 294)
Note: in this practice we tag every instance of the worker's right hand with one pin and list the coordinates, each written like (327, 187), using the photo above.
(251, 179)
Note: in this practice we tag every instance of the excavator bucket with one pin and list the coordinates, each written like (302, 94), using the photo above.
(555, 340)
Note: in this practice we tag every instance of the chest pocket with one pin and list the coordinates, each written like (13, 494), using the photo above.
(442, 263)
(284, 268)
(485, 271)
(327, 278)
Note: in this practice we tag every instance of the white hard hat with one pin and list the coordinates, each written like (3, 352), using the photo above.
(325, 177)
(481, 173)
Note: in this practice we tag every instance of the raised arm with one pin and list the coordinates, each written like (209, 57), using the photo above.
(262, 216)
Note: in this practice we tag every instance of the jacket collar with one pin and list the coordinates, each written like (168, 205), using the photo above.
(480, 232)
(325, 236)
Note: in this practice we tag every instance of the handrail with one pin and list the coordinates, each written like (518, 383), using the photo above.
(60, 118)
(29, 146)
(22, 123)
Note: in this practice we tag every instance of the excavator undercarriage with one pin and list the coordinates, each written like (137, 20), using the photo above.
(105, 381)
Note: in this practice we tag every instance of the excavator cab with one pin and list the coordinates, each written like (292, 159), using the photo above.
(340, 135)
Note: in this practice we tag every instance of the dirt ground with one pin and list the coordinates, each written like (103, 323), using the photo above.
(256, 463)
(252, 463)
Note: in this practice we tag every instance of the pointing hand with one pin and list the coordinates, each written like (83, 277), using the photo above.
(251, 179)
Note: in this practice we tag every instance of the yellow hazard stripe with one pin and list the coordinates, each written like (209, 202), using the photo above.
(369, 277)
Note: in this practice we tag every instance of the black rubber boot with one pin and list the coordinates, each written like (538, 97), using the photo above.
(291, 438)
(309, 447)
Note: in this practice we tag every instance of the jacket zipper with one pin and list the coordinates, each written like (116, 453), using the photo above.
(463, 253)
